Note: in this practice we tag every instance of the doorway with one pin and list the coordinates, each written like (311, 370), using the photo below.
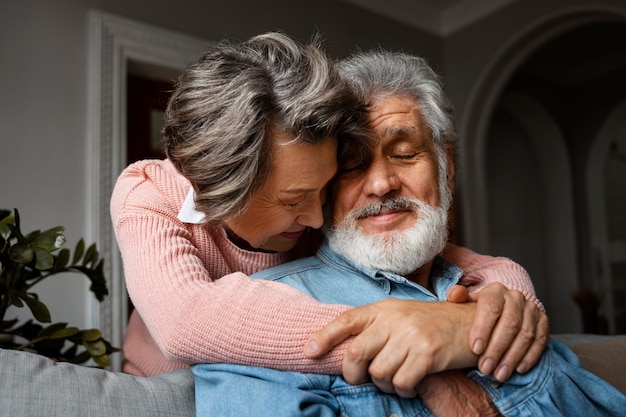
(119, 47)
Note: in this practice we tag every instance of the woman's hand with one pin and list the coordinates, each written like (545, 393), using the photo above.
(509, 332)
(398, 342)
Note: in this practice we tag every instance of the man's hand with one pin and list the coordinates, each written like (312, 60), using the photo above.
(399, 342)
(452, 393)
(509, 332)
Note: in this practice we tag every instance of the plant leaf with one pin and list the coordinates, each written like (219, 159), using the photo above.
(39, 309)
(64, 333)
(91, 256)
(82, 357)
(15, 299)
(43, 259)
(51, 239)
(78, 251)
(102, 360)
(21, 253)
(90, 335)
(5, 232)
(96, 348)
(61, 260)
(48, 330)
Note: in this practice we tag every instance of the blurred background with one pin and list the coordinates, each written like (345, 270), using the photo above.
(539, 90)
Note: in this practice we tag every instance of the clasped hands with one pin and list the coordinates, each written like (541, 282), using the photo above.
(397, 343)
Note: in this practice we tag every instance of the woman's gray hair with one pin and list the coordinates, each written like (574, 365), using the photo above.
(227, 105)
(379, 73)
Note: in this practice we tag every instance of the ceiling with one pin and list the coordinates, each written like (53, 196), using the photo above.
(438, 17)
(559, 61)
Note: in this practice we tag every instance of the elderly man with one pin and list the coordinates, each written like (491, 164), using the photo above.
(387, 240)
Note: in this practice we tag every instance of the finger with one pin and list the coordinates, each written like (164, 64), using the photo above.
(458, 294)
(398, 371)
(523, 341)
(365, 347)
(382, 371)
(490, 305)
(408, 377)
(345, 325)
(542, 335)
(504, 333)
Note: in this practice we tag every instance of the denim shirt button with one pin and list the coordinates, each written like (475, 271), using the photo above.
(495, 384)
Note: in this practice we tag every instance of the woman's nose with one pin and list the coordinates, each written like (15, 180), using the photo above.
(313, 215)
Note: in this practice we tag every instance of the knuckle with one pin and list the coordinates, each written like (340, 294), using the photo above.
(355, 352)
(517, 296)
(542, 338)
(346, 318)
(527, 334)
(511, 322)
(492, 306)
(404, 387)
(380, 375)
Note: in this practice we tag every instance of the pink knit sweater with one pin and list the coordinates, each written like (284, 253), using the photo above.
(194, 301)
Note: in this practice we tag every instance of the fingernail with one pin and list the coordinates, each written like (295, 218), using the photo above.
(311, 348)
(502, 373)
(487, 366)
(479, 347)
(522, 367)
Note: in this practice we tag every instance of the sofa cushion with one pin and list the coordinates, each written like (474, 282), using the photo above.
(607, 359)
(33, 385)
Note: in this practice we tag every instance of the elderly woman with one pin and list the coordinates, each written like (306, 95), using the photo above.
(251, 134)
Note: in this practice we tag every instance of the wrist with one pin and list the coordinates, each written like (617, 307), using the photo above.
(453, 393)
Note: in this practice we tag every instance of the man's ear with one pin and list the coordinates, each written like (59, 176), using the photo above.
(450, 155)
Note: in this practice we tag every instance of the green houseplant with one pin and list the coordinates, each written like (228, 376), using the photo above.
(26, 260)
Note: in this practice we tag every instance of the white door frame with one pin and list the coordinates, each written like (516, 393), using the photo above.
(114, 42)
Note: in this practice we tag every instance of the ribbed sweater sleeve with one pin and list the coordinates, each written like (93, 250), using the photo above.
(481, 270)
(172, 272)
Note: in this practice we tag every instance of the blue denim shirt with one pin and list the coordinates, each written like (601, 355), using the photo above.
(332, 279)
(556, 386)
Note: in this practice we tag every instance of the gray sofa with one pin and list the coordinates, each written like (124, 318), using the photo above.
(34, 386)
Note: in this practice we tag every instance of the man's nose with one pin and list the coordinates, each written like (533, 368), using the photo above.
(381, 179)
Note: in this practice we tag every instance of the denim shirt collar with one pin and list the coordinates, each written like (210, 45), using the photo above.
(443, 273)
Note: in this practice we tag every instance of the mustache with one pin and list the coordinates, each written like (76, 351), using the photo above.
(372, 209)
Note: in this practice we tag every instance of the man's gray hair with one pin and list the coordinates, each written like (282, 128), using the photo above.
(379, 73)
(228, 104)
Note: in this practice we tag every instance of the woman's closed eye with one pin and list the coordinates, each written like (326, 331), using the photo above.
(293, 202)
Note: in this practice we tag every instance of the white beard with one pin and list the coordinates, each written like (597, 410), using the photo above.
(402, 251)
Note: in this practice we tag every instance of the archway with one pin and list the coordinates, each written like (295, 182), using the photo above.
(511, 69)
(605, 177)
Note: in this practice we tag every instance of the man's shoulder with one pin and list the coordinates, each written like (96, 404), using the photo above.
(300, 266)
